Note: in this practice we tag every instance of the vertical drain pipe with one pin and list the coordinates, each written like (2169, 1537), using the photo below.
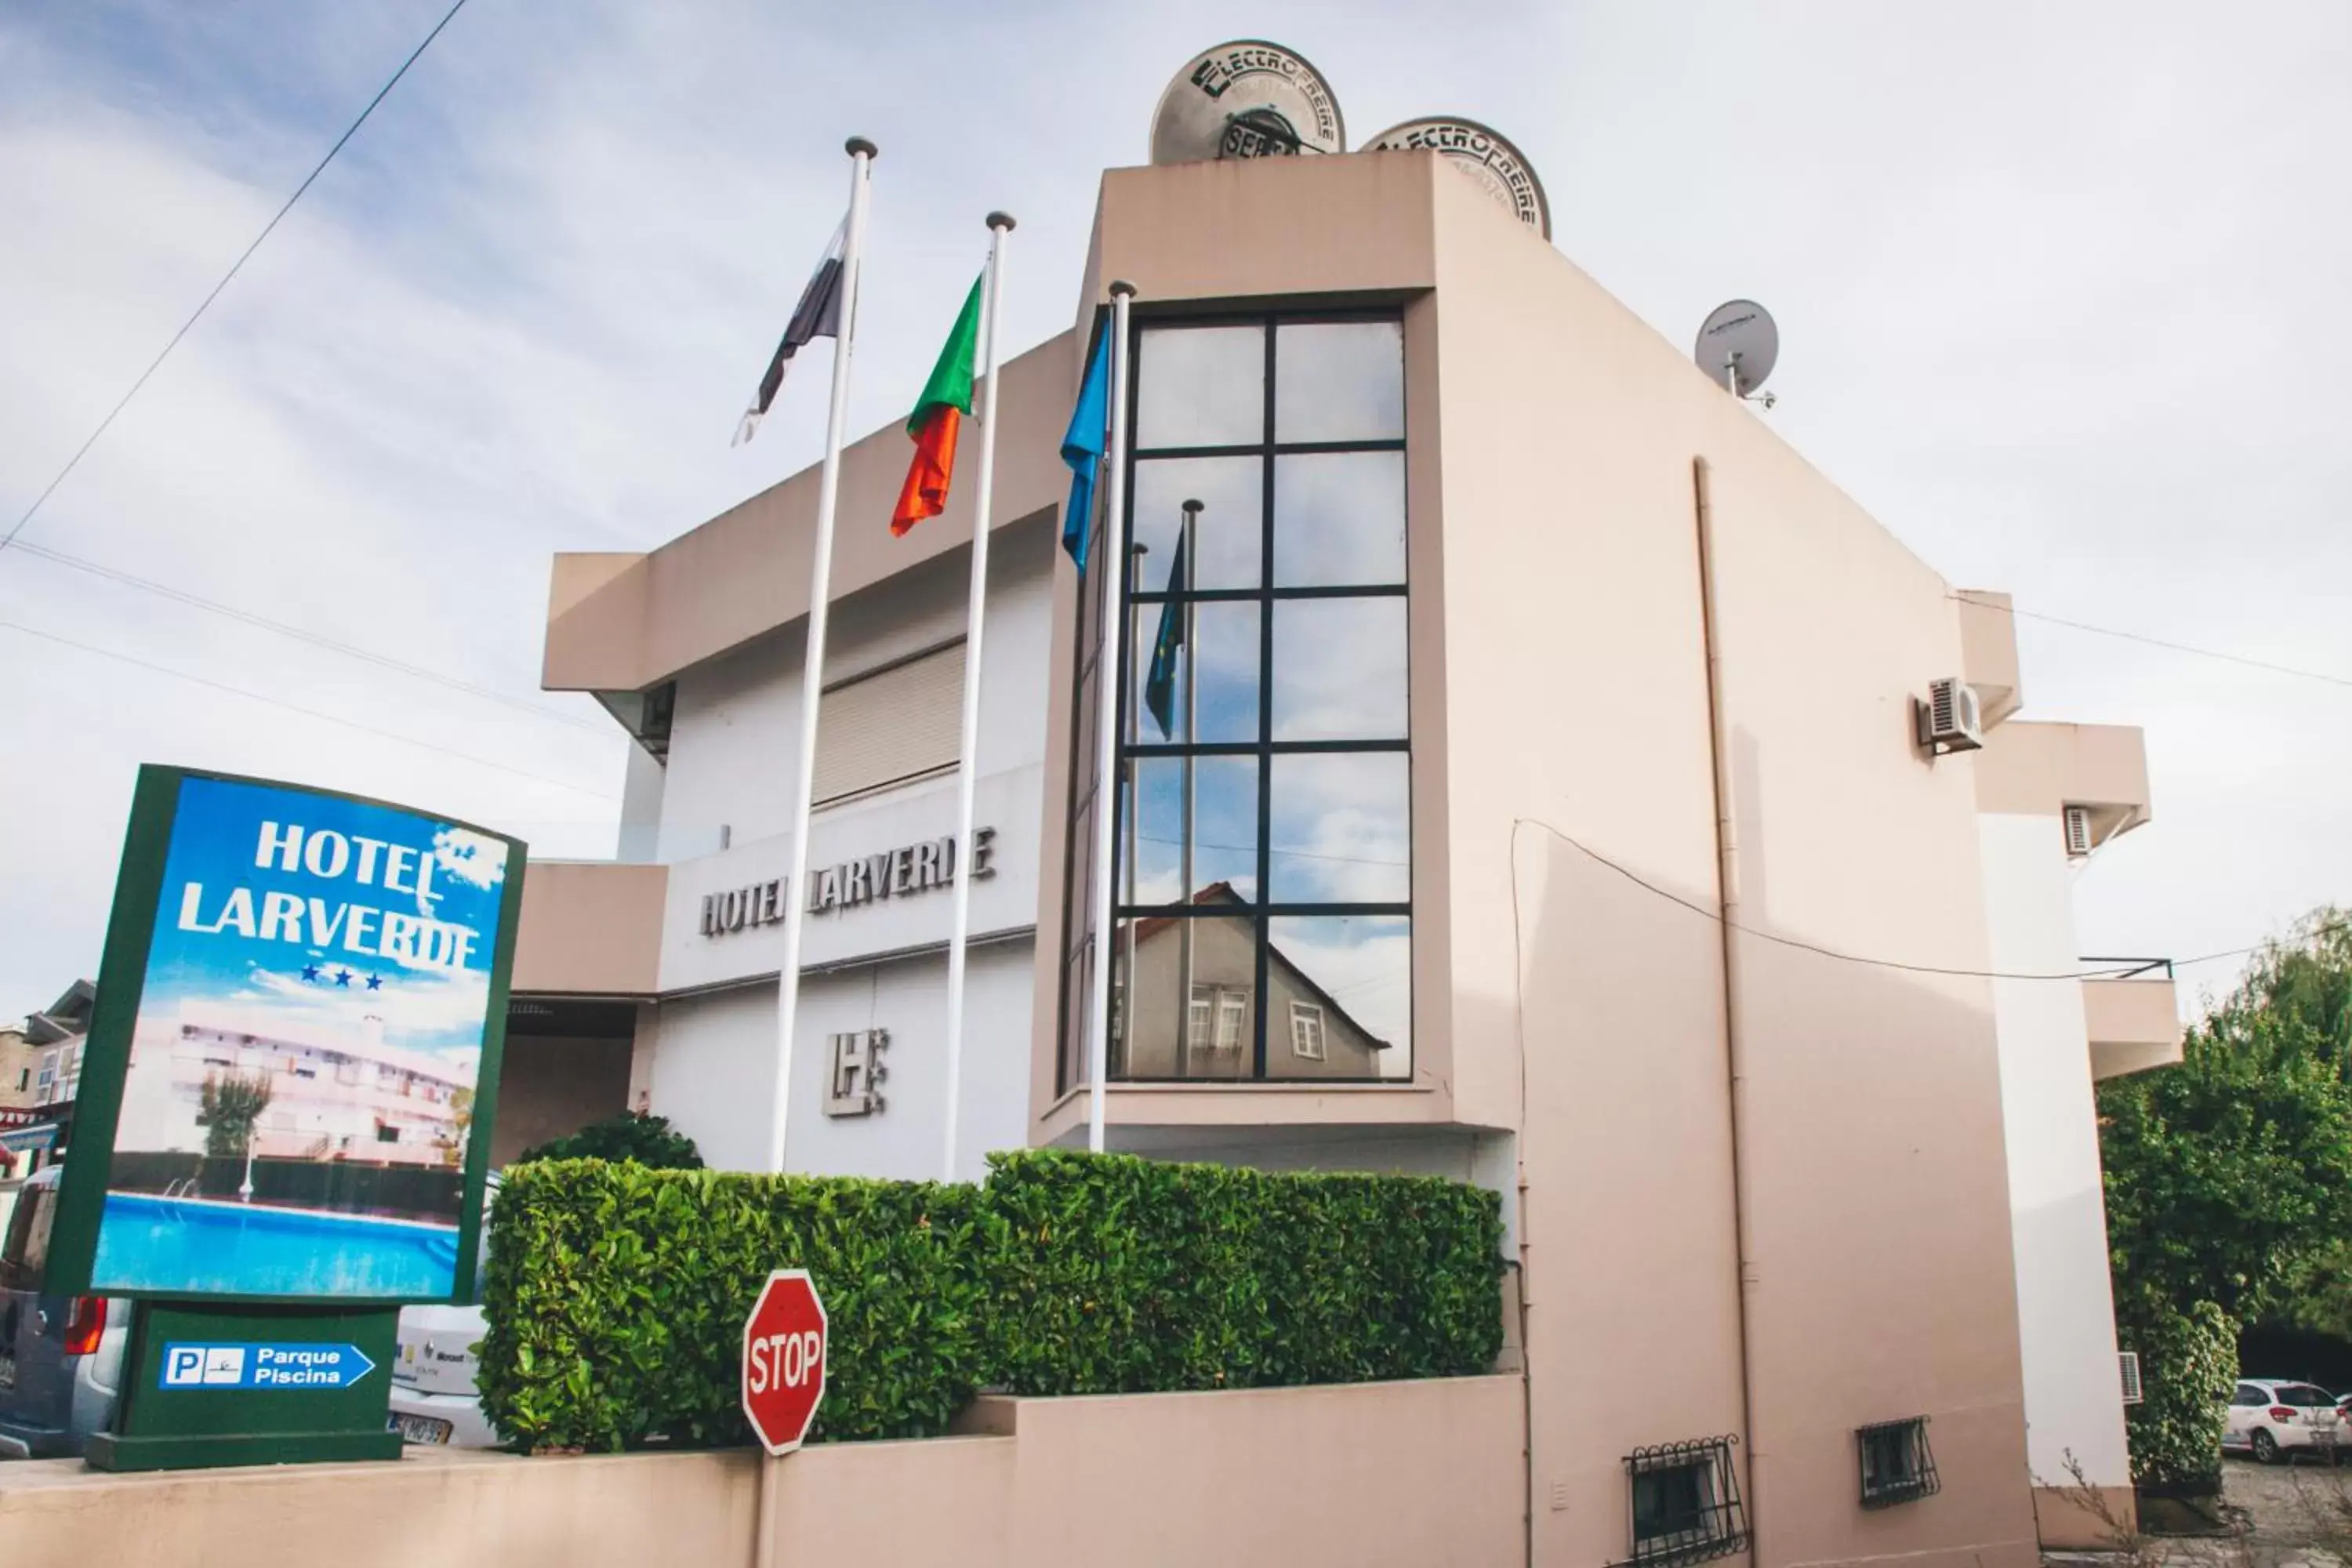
(1727, 865)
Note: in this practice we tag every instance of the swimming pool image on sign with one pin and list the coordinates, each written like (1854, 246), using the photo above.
(201, 1245)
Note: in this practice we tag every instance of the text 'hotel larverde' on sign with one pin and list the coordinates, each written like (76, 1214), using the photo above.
(911, 869)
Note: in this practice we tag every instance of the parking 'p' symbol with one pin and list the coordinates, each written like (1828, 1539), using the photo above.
(184, 1366)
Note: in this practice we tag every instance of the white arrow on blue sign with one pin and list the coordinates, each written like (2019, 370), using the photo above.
(254, 1364)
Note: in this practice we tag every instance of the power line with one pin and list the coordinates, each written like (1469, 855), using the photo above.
(349, 132)
(1703, 910)
(2157, 642)
(214, 607)
(298, 708)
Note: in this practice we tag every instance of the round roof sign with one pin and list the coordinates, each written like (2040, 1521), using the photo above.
(1484, 154)
(1248, 98)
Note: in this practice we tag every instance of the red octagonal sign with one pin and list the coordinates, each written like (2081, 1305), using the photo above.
(784, 1360)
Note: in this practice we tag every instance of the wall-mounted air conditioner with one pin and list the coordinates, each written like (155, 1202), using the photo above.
(2079, 842)
(1948, 720)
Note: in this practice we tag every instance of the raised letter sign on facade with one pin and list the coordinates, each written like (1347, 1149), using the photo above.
(857, 1072)
(893, 874)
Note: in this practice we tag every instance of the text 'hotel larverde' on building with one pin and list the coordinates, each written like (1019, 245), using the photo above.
(1503, 657)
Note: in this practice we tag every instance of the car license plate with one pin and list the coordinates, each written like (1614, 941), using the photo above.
(421, 1429)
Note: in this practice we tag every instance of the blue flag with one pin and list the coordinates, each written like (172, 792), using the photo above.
(1160, 681)
(1082, 449)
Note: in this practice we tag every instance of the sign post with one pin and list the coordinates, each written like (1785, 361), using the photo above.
(282, 1132)
(783, 1382)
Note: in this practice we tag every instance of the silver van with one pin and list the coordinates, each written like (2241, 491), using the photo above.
(61, 1356)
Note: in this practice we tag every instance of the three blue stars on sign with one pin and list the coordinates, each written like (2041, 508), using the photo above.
(313, 976)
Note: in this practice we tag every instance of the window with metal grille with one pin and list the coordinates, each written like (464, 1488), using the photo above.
(1896, 1466)
(1684, 1502)
(2127, 1364)
(890, 725)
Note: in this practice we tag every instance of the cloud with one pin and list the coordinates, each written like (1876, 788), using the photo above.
(474, 858)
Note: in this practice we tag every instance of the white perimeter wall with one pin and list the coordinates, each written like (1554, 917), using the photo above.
(2066, 1309)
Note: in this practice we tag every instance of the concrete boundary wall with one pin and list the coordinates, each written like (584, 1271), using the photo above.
(1411, 1474)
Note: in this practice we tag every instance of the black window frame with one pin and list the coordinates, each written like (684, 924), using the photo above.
(1261, 912)
(1722, 1527)
(1911, 1477)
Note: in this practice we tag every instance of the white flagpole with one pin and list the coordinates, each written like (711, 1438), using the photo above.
(1108, 677)
(788, 977)
(999, 225)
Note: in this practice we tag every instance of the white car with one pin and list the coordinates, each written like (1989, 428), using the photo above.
(2271, 1416)
(433, 1397)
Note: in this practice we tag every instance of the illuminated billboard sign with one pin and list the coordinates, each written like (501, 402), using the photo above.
(293, 1061)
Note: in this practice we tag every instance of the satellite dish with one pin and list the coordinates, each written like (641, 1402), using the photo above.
(1484, 154)
(1248, 99)
(1738, 345)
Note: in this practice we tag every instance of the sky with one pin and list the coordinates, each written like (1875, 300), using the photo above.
(2054, 283)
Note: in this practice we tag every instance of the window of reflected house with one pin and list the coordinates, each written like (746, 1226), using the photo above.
(1262, 879)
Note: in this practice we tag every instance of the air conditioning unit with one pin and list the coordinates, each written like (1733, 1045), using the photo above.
(1949, 720)
(2078, 832)
(2129, 1363)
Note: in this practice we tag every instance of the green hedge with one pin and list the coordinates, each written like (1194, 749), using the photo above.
(1110, 1274)
(616, 1293)
(2188, 1367)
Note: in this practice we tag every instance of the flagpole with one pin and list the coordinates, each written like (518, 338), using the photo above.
(828, 492)
(999, 225)
(1109, 672)
(1191, 737)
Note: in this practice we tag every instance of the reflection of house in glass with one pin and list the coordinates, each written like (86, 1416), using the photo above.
(1309, 1034)
(332, 1095)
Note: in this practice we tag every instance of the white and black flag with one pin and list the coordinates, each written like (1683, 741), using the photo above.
(818, 315)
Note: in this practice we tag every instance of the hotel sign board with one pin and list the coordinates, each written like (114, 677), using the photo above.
(292, 1066)
(923, 867)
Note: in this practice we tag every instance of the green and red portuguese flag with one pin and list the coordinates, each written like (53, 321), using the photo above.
(939, 414)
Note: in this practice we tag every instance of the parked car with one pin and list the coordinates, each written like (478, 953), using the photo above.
(2270, 1416)
(433, 1396)
(62, 1356)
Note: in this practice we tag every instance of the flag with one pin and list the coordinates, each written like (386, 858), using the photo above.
(1082, 449)
(818, 315)
(1160, 683)
(939, 413)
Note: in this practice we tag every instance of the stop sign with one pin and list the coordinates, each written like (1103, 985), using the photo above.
(784, 1360)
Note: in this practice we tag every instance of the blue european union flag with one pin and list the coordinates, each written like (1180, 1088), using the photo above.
(1160, 683)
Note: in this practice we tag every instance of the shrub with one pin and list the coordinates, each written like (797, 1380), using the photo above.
(631, 1135)
(2188, 1363)
(616, 1294)
(1111, 1274)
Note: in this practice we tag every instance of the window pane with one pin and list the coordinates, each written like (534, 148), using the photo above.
(1201, 387)
(1342, 828)
(1339, 519)
(1189, 972)
(1224, 635)
(1224, 830)
(1358, 970)
(1229, 541)
(1339, 670)
(1340, 381)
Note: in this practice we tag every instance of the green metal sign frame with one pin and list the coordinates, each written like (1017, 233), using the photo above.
(122, 979)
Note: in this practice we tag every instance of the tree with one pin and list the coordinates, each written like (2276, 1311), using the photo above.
(632, 1135)
(227, 1107)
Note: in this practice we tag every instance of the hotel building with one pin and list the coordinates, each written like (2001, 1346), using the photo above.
(1541, 804)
